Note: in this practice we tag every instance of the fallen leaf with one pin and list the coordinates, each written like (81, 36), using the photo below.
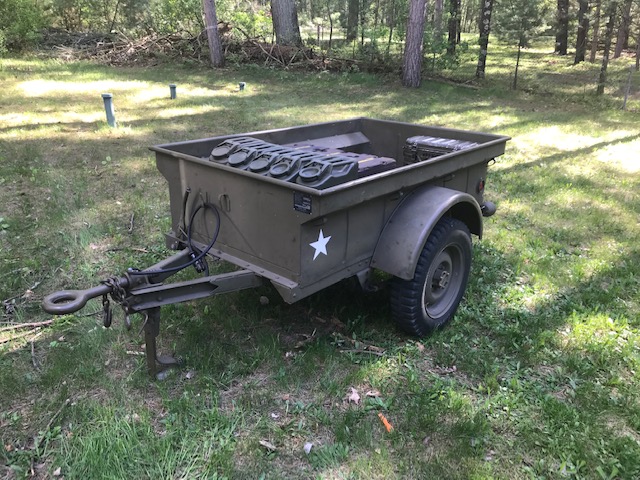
(354, 396)
(385, 422)
(372, 393)
(57, 472)
(420, 347)
(268, 445)
(373, 348)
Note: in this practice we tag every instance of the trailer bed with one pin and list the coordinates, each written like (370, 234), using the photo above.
(269, 226)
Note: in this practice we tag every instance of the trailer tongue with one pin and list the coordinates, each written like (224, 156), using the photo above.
(305, 207)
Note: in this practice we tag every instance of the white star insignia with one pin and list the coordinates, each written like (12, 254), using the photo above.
(320, 245)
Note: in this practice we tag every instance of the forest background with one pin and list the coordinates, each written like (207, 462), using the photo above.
(345, 35)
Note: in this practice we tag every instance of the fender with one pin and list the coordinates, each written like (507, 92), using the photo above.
(406, 232)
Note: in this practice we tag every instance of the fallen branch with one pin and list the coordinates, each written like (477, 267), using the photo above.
(26, 325)
(18, 336)
(358, 345)
(292, 58)
(362, 350)
(133, 249)
(268, 54)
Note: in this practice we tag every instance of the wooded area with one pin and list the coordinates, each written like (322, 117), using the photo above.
(380, 35)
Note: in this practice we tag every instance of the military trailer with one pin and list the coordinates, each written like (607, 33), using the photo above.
(306, 207)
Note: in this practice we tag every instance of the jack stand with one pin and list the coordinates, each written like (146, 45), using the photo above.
(151, 331)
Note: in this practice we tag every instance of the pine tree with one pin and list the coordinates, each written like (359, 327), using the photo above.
(518, 21)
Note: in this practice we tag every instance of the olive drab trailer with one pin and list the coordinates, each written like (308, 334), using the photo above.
(305, 207)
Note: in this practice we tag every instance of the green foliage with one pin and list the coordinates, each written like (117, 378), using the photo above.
(81, 15)
(256, 23)
(3, 43)
(172, 16)
(328, 455)
(20, 24)
(98, 15)
(519, 21)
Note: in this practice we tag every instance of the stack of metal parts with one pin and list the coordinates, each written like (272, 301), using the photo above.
(303, 163)
(420, 148)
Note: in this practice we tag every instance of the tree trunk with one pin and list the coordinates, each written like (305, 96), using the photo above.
(438, 8)
(608, 35)
(468, 17)
(583, 28)
(285, 22)
(412, 65)
(596, 32)
(330, 27)
(213, 36)
(376, 15)
(459, 24)
(392, 21)
(454, 13)
(638, 52)
(115, 15)
(353, 13)
(485, 29)
(363, 20)
(515, 74)
(622, 41)
(562, 28)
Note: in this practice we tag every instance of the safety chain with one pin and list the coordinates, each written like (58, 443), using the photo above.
(118, 294)
(107, 313)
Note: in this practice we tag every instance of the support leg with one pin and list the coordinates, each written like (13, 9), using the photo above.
(151, 331)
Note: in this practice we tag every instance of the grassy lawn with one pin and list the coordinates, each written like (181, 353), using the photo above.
(534, 378)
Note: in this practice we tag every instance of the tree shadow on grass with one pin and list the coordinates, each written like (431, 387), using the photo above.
(564, 155)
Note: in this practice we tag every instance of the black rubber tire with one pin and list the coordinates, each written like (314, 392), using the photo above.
(431, 297)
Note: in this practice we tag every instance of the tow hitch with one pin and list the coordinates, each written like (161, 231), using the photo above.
(144, 292)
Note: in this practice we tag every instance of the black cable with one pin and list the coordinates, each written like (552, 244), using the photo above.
(199, 256)
(183, 218)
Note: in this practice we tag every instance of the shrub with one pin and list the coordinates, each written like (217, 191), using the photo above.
(21, 22)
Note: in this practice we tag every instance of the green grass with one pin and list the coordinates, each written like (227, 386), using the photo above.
(534, 378)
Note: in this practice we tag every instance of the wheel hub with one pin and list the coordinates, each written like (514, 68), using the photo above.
(442, 277)
(442, 285)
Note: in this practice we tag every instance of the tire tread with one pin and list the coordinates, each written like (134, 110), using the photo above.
(406, 295)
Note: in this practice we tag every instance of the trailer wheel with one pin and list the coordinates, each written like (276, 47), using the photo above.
(431, 297)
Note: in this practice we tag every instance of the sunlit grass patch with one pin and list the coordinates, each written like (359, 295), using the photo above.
(104, 438)
(600, 337)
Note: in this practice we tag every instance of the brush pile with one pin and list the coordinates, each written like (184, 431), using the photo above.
(117, 49)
